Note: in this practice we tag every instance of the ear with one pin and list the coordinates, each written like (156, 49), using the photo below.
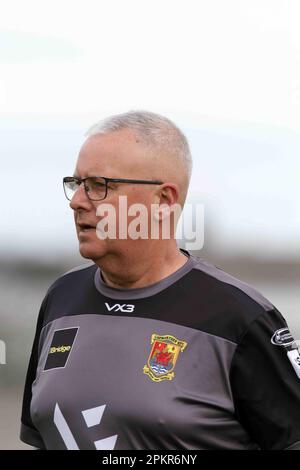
(166, 196)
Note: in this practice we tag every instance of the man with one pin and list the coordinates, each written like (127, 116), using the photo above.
(149, 347)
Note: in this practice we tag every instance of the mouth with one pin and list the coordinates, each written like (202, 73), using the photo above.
(85, 227)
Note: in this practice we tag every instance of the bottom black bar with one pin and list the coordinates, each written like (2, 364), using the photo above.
(132, 459)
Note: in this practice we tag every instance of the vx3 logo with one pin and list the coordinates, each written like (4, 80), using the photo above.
(92, 417)
(118, 307)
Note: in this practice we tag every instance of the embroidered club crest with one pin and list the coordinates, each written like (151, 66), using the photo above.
(163, 356)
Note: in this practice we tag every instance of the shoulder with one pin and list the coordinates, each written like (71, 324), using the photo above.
(67, 288)
(232, 286)
(229, 306)
(73, 277)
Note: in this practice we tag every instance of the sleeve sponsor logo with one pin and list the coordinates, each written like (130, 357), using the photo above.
(60, 348)
(282, 337)
(294, 358)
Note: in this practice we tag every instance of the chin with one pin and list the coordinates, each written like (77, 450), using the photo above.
(91, 252)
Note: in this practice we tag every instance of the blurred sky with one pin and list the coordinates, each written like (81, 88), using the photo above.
(227, 72)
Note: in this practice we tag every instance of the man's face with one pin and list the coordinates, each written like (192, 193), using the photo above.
(114, 155)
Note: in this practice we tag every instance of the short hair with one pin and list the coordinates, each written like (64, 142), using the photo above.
(153, 130)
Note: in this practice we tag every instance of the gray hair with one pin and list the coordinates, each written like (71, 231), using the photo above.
(153, 129)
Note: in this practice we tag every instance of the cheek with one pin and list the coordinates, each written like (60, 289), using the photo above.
(122, 203)
(140, 195)
(140, 202)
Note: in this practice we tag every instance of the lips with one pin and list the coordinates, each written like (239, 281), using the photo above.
(85, 226)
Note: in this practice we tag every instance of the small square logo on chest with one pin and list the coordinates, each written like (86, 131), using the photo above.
(60, 348)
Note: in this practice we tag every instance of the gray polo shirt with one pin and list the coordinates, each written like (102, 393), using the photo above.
(196, 361)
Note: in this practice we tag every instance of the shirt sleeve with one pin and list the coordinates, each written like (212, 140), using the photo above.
(265, 385)
(28, 432)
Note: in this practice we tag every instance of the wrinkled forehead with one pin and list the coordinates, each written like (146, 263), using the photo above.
(116, 154)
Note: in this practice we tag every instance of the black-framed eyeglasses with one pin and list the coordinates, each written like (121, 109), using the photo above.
(96, 186)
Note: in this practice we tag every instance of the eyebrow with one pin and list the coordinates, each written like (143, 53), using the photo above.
(76, 176)
(87, 176)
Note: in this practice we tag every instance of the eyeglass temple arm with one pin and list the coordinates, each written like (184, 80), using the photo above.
(124, 180)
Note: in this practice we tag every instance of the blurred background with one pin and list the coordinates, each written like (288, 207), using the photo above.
(227, 73)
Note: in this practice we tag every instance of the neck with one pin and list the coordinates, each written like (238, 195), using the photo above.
(142, 267)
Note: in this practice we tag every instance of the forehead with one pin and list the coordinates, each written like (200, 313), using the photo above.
(116, 154)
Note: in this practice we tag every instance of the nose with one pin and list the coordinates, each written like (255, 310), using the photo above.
(80, 199)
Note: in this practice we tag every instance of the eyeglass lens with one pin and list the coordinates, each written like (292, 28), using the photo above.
(95, 187)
